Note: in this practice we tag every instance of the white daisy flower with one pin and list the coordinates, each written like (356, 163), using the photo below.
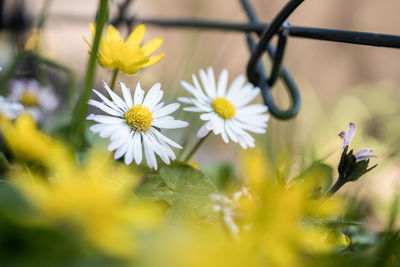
(9, 109)
(36, 99)
(135, 122)
(226, 111)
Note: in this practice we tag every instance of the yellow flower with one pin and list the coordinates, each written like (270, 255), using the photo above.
(95, 200)
(27, 142)
(126, 55)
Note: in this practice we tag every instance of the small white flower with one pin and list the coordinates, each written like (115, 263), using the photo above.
(228, 207)
(9, 109)
(35, 98)
(135, 122)
(348, 136)
(226, 112)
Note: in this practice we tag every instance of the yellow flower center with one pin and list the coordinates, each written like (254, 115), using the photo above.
(29, 99)
(223, 108)
(139, 118)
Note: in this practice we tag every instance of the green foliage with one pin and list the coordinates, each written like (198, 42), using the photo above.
(319, 174)
(23, 242)
(186, 189)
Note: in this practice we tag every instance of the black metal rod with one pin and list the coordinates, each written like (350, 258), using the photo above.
(332, 35)
(277, 61)
(350, 37)
(266, 37)
(291, 87)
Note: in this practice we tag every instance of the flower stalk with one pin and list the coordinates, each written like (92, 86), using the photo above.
(114, 79)
(78, 119)
(195, 148)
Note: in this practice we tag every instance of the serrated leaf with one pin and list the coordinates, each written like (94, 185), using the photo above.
(154, 188)
(191, 188)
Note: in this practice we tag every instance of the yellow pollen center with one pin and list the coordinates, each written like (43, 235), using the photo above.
(223, 108)
(139, 118)
(29, 99)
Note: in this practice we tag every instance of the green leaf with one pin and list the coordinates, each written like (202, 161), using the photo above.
(329, 223)
(154, 188)
(191, 190)
(319, 173)
(340, 223)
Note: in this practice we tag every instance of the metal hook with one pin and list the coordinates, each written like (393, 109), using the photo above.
(289, 82)
(255, 70)
(278, 58)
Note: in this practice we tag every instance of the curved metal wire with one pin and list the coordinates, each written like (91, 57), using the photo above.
(255, 70)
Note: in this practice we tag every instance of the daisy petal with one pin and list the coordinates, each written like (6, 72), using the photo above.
(235, 86)
(169, 124)
(203, 131)
(137, 148)
(222, 83)
(108, 102)
(105, 119)
(139, 94)
(165, 139)
(152, 95)
(129, 152)
(126, 93)
(105, 108)
(168, 109)
(210, 91)
(116, 99)
(149, 153)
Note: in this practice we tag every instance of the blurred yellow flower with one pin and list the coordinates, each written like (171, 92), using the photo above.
(126, 55)
(29, 143)
(94, 199)
(269, 230)
(255, 167)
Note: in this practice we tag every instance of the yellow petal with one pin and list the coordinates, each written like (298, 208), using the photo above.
(153, 60)
(133, 68)
(150, 47)
(87, 41)
(136, 37)
(92, 29)
(112, 34)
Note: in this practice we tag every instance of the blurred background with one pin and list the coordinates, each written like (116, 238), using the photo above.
(339, 82)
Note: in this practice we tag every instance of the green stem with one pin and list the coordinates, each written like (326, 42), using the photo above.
(114, 79)
(78, 120)
(195, 148)
(339, 183)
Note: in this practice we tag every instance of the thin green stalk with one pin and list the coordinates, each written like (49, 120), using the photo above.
(43, 14)
(114, 79)
(339, 183)
(195, 148)
(78, 120)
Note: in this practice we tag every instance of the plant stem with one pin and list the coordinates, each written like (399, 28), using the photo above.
(339, 183)
(195, 148)
(77, 135)
(114, 79)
